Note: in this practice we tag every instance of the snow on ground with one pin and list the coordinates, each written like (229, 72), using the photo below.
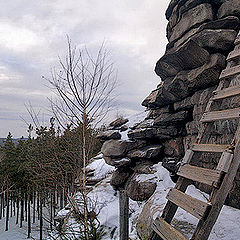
(226, 228)
(16, 233)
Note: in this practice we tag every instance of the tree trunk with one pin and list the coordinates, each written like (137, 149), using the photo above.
(29, 217)
(41, 217)
(7, 213)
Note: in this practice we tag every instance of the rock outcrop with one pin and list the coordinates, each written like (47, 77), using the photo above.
(201, 33)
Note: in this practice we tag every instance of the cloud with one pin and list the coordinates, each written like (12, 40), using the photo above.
(33, 35)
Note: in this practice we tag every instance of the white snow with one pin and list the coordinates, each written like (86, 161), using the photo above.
(106, 200)
(133, 119)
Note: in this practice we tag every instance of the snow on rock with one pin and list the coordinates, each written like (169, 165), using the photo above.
(100, 168)
(133, 120)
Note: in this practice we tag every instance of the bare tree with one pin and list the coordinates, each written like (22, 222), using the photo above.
(84, 88)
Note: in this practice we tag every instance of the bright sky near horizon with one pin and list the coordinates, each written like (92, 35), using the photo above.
(33, 35)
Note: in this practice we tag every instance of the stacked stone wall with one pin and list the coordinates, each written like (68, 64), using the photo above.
(201, 33)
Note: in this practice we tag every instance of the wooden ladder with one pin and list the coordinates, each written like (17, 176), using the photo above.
(220, 179)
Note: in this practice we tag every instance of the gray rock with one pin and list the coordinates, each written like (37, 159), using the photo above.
(145, 133)
(188, 56)
(190, 19)
(229, 8)
(119, 148)
(149, 152)
(167, 132)
(186, 83)
(187, 103)
(123, 128)
(182, 8)
(220, 40)
(174, 148)
(118, 122)
(168, 118)
(119, 177)
(192, 127)
(146, 123)
(154, 113)
(171, 164)
(107, 135)
(160, 97)
(139, 189)
(161, 132)
(117, 162)
(230, 22)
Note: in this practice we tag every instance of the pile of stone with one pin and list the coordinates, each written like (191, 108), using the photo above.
(201, 33)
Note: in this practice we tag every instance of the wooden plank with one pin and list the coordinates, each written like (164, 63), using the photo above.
(225, 161)
(227, 92)
(230, 72)
(166, 231)
(192, 205)
(202, 175)
(217, 148)
(221, 115)
(234, 54)
(205, 226)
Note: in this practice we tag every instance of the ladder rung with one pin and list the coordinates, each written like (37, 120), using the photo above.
(227, 92)
(234, 54)
(230, 72)
(166, 231)
(217, 148)
(202, 175)
(221, 115)
(192, 205)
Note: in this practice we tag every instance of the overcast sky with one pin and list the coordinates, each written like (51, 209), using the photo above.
(33, 35)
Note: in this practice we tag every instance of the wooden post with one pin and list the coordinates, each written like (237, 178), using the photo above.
(124, 215)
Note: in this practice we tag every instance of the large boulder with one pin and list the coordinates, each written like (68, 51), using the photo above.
(186, 83)
(160, 97)
(171, 118)
(119, 177)
(149, 152)
(229, 8)
(107, 135)
(228, 23)
(220, 40)
(117, 162)
(174, 148)
(188, 56)
(190, 19)
(160, 133)
(140, 187)
(118, 122)
(119, 148)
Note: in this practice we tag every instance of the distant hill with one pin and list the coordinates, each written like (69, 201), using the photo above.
(15, 140)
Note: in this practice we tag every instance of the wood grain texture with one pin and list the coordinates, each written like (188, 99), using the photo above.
(227, 92)
(205, 226)
(166, 231)
(192, 205)
(202, 175)
(221, 115)
(230, 72)
(217, 148)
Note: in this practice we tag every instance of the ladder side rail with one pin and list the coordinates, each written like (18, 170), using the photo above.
(205, 226)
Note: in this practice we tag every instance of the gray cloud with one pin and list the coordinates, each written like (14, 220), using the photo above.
(33, 35)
